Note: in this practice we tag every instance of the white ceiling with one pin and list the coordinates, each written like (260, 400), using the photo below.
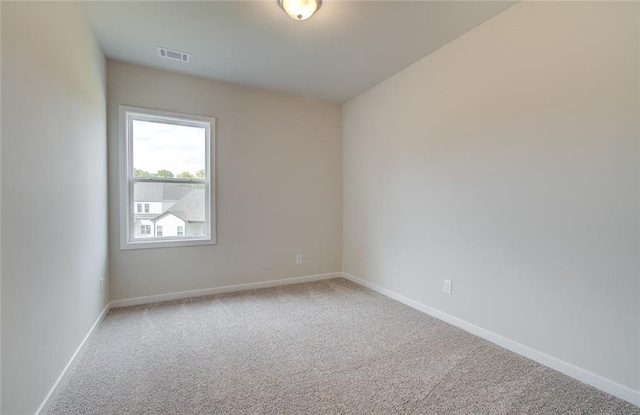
(346, 48)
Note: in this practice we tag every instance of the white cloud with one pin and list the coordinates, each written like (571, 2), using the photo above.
(176, 148)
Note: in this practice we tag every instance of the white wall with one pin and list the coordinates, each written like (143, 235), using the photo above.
(154, 207)
(194, 228)
(170, 225)
(143, 222)
(507, 161)
(279, 185)
(54, 207)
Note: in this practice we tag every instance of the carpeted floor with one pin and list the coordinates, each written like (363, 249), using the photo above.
(328, 347)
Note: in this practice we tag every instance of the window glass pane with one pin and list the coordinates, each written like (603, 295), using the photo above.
(168, 150)
(174, 209)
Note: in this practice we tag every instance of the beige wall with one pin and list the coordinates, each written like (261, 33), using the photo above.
(279, 185)
(0, 215)
(507, 161)
(54, 195)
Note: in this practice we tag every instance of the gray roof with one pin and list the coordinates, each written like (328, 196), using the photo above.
(159, 192)
(190, 208)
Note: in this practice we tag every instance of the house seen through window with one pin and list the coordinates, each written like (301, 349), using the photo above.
(168, 170)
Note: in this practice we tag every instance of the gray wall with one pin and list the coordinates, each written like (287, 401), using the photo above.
(279, 185)
(54, 195)
(507, 161)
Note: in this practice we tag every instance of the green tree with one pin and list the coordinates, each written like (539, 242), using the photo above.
(141, 173)
(200, 174)
(163, 173)
(186, 175)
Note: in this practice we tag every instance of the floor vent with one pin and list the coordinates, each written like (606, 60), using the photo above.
(174, 55)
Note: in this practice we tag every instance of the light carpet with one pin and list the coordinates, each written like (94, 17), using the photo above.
(328, 347)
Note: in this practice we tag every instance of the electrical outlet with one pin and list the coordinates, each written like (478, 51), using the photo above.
(447, 287)
(101, 285)
(298, 259)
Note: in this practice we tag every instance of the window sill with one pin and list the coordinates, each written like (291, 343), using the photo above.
(166, 243)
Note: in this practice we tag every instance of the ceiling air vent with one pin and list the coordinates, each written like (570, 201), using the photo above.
(174, 54)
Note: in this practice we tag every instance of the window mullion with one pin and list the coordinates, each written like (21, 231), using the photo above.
(167, 180)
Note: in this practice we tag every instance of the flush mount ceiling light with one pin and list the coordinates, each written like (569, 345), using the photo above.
(300, 9)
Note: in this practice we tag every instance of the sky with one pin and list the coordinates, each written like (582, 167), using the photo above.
(176, 148)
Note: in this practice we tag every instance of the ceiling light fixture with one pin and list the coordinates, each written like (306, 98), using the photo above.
(300, 9)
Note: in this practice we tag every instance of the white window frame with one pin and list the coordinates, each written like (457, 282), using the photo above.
(127, 235)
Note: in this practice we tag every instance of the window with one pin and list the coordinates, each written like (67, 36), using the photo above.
(167, 164)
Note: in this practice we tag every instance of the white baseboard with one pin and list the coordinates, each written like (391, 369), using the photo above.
(568, 369)
(217, 290)
(53, 393)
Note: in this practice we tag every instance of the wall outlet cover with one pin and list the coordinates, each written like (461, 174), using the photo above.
(447, 287)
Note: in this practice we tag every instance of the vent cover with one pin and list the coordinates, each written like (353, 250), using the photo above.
(174, 55)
